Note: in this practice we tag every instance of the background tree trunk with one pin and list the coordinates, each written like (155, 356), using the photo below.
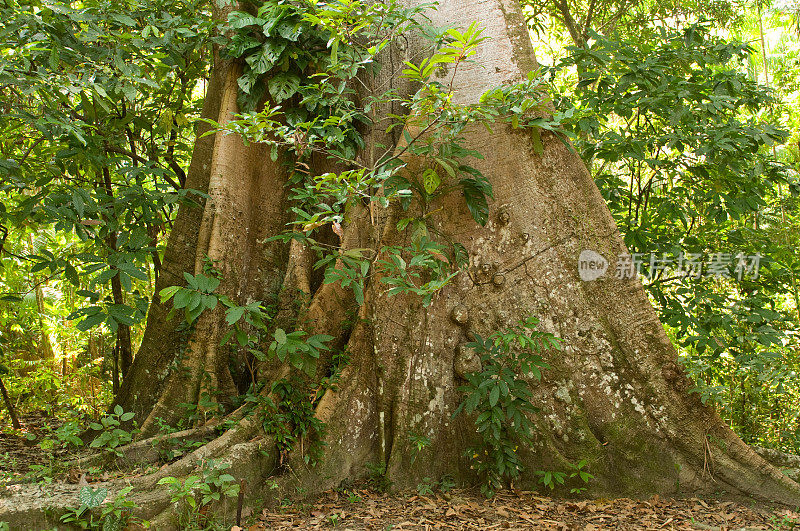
(45, 346)
(124, 347)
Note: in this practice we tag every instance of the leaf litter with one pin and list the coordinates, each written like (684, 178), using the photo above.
(465, 510)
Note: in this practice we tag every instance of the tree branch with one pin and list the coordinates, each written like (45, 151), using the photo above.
(142, 160)
(569, 22)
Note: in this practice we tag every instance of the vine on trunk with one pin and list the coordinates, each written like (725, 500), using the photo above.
(308, 89)
(499, 393)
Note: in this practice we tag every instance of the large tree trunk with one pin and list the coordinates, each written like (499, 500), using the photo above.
(615, 395)
(245, 206)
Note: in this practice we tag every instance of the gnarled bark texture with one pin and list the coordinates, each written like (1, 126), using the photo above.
(615, 395)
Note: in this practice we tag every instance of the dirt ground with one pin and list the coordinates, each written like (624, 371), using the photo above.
(362, 509)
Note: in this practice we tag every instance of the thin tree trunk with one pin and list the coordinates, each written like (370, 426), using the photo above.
(115, 369)
(123, 331)
(45, 346)
(763, 43)
(10, 407)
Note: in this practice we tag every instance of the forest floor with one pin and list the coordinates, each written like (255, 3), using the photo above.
(364, 509)
(17, 453)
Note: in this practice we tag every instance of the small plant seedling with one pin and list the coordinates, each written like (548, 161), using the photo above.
(426, 487)
(551, 479)
(112, 435)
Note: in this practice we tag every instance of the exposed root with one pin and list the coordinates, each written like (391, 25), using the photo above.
(146, 451)
(251, 458)
(778, 458)
(789, 464)
(745, 471)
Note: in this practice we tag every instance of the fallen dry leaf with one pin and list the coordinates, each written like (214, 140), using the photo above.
(468, 511)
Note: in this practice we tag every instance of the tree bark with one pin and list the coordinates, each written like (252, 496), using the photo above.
(124, 347)
(10, 407)
(615, 395)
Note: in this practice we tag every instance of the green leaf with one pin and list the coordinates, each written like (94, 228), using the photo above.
(290, 30)
(280, 336)
(77, 202)
(40, 266)
(191, 280)
(335, 51)
(234, 314)
(113, 522)
(358, 291)
(283, 86)
(430, 180)
(494, 395)
(212, 283)
(273, 48)
(240, 19)
(125, 280)
(241, 337)
(476, 200)
(125, 20)
(247, 81)
(54, 59)
(181, 298)
(460, 255)
(167, 293)
(132, 270)
(92, 498)
(403, 223)
(536, 138)
(91, 321)
(209, 302)
(121, 313)
(72, 274)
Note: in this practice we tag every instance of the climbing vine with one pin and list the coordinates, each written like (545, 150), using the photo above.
(309, 88)
(312, 70)
(499, 394)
